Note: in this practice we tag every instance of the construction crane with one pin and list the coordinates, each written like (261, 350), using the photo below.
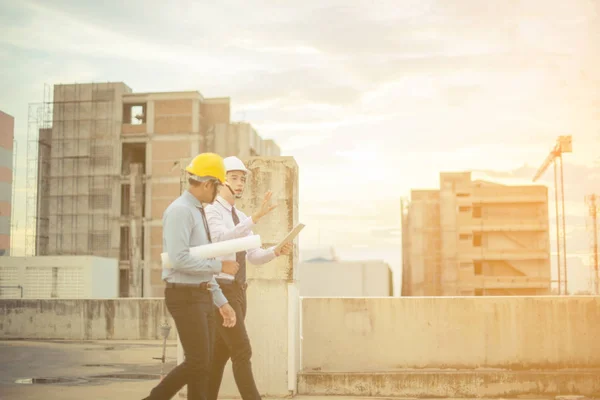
(563, 145)
(592, 203)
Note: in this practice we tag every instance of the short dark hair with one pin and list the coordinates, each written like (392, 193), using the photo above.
(194, 182)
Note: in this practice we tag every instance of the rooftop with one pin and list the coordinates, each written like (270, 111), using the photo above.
(104, 368)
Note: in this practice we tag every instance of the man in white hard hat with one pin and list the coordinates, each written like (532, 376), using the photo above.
(191, 288)
(226, 222)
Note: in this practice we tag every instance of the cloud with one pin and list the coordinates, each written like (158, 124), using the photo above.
(72, 36)
(371, 98)
(294, 86)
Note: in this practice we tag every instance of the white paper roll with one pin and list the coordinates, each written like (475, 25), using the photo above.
(218, 249)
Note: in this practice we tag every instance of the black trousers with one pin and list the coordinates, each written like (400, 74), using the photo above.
(233, 343)
(193, 312)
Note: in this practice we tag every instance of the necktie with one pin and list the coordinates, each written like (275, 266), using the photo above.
(240, 257)
(205, 224)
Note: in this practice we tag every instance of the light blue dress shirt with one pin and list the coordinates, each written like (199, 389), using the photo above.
(183, 227)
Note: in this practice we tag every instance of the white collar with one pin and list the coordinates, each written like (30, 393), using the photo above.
(224, 203)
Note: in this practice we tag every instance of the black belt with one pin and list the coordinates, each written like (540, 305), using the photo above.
(199, 286)
(229, 282)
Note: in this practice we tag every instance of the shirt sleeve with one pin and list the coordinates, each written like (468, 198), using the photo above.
(219, 231)
(177, 228)
(260, 256)
(219, 298)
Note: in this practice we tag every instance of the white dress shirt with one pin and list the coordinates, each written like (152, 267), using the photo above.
(220, 223)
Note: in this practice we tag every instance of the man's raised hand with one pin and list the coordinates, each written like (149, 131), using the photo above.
(265, 208)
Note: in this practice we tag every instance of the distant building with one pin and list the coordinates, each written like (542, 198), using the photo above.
(475, 237)
(111, 160)
(7, 125)
(318, 255)
(59, 277)
(345, 279)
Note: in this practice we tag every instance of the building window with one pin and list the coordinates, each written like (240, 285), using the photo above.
(464, 208)
(477, 212)
(126, 200)
(123, 283)
(478, 267)
(124, 250)
(477, 240)
(133, 153)
(134, 114)
(125, 203)
(464, 236)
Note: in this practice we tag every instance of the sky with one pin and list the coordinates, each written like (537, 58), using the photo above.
(377, 97)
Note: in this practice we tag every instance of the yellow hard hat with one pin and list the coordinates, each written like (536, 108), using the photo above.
(207, 165)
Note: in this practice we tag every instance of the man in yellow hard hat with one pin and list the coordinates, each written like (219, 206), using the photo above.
(191, 287)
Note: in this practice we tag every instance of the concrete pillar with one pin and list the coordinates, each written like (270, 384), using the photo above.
(449, 238)
(150, 117)
(273, 315)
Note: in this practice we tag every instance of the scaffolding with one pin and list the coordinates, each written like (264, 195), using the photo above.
(39, 119)
(13, 221)
(73, 172)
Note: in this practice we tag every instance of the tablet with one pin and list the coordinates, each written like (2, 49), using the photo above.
(290, 236)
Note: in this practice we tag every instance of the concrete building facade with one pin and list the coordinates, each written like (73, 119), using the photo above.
(475, 237)
(7, 125)
(110, 161)
(345, 279)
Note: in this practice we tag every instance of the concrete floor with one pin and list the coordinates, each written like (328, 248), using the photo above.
(72, 359)
(84, 359)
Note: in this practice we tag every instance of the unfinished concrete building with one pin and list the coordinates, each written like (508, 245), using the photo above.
(106, 162)
(475, 237)
(7, 125)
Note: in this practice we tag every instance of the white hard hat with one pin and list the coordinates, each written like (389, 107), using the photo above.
(234, 164)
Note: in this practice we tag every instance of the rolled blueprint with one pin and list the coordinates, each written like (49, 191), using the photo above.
(218, 249)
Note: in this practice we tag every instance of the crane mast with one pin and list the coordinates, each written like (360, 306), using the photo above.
(563, 145)
(592, 203)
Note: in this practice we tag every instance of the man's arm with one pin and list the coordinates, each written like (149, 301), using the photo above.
(260, 256)
(177, 229)
(263, 256)
(219, 298)
(219, 231)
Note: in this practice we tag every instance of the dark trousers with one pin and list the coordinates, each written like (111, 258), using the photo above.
(193, 313)
(233, 343)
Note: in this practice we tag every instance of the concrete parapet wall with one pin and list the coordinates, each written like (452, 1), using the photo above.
(511, 333)
(135, 319)
(451, 384)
